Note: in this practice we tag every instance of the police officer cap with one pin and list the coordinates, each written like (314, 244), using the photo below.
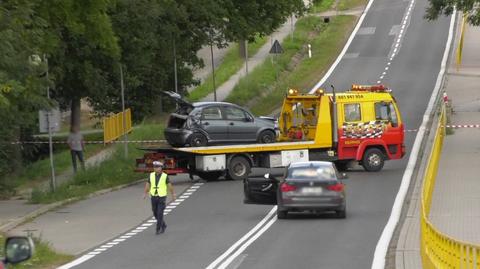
(157, 164)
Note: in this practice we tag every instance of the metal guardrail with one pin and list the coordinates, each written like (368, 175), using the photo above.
(113, 126)
(439, 250)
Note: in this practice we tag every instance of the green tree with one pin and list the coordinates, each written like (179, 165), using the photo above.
(22, 90)
(446, 7)
(83, 50)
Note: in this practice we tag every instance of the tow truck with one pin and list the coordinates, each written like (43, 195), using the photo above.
(360, 125)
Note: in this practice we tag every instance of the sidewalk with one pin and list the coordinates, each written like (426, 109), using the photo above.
(455, 208)
(76, 227)
(456, 198)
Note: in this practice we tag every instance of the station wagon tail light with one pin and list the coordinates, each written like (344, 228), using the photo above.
(339, 187)
(285, 187)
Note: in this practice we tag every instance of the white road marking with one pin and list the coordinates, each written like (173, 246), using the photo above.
(113, 243)
(174, 203)
(345, 48)
(94, 253)
(382, 245)
(244, 238)
(366, 31)
(100, 249)
(350, 55)
(118, 240)
(171, 206)
(248, 243)
(180, 200)
(76, 262)
(106, 246)
(184, 196)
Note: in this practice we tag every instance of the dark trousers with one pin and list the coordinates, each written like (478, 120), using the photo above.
(158, 206)
(79, 154)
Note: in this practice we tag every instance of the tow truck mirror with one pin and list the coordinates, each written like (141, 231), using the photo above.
(18, 249)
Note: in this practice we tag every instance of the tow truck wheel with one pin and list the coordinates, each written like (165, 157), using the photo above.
(238, 168)
(197, 140)
(266, 137)
(210, 176)
(373, 160)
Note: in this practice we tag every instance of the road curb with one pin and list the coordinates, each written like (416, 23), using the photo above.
(46, 208)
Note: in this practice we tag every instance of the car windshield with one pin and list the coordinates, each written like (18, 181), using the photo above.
(310, 173)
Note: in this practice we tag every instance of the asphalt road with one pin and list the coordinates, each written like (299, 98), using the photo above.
(213, 219)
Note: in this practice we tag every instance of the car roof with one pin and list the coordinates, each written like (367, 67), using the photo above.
(199, 104)
(310, 164)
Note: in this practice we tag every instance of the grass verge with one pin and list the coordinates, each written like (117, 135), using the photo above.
(40, 171)
(321, 5)
(113, 172)
(268, 83)
(44, 256)
(232, 62)
(349, 4)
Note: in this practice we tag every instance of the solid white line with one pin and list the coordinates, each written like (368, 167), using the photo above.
(245, 237)
(76, 262)
(384, 241)
(248, 243)
(345, 48)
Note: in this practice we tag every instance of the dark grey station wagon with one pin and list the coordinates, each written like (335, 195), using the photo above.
(206, 123)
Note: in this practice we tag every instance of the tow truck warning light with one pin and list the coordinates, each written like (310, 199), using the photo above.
(370, 88)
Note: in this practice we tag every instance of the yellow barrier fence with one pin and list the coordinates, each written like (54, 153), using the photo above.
(460, 43)
(113, 126)
(439, 250)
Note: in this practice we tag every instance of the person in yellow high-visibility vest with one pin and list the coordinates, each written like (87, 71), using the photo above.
(156, 186)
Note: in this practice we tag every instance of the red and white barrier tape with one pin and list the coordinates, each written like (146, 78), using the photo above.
(86, 142)
(454, 126)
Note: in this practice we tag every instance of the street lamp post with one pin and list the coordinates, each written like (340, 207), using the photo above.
(53, 182)
(213, 74)
(124, 120)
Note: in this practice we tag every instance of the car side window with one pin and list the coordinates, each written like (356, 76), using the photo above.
(233, 113)
(385, 111)
(211, 113)
(352, 112)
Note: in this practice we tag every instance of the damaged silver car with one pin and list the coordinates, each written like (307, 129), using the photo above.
(208, 123)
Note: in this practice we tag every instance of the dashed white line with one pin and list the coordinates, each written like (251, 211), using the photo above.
(133, 232)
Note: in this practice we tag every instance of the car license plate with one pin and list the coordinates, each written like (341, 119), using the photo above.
(312, 190)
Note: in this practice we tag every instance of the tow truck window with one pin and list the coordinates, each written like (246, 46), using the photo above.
(233, 113)
(211, 113)
(352, 112)
(386, 111)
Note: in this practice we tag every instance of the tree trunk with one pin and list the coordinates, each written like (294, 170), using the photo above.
(75, 113)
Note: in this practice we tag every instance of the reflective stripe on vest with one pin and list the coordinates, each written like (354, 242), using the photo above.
(161, 188)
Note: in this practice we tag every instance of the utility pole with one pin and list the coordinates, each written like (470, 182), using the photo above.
(124, 122)
(213, 74)
(53, 182)
(175, 67)
(246, 56)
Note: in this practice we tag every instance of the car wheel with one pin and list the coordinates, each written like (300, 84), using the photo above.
(373, 160)
(197, 140)
(266, 137)
(210, 176)
(341, 165)
(341, 214)
(238, 168)
(282, 214)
